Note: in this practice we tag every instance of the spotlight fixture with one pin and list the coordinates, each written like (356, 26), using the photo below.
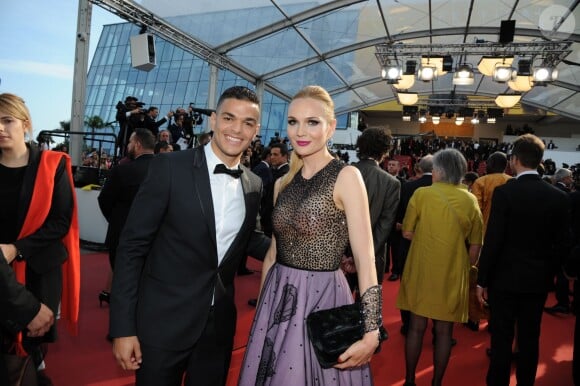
(542, 75)
(441, 63)
(408, 78)
(464, 75)
(507, 100)
(503, 73)
(409, 112)
(475, 120)
(436, 120)
(524, 67)
(392, 74)
(422, 116)
(407, 98)
(427, 73)
(487, 63)
(459, 121)
(493, 114)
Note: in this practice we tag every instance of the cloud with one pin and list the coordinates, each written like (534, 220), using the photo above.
(61, 71)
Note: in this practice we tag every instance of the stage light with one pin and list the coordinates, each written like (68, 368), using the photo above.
(436, 120)
(391, 74)
(427, 73)
(503, 73)
(542, 75)
(487, 63)
(464, 75)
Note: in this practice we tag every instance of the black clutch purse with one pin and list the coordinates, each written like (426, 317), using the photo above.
(334, 330)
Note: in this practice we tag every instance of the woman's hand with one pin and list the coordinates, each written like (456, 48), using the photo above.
(9, 251)
(360, 352)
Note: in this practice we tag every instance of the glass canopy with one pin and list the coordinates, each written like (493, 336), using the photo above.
(288, 44)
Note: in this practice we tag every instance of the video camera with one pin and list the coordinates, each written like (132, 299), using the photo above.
(200, 111)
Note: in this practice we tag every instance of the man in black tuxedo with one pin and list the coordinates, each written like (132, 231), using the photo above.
(122, 185)
(407, 190)
(383, 190)
(19, 310)
(193, 219)
(527, 236)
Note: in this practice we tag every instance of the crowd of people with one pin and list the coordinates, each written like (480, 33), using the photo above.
(326, 232)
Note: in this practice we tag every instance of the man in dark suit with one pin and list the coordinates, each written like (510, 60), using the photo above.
(383, 190)
(562, 180)
(19, 310)
(194, 218)
(527, 235)
(279, 159)
(150, 121)
(263, 170)
(121, 187)
(407, 189)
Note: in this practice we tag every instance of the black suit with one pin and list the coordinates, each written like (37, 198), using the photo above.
(167, 271)
(383, 191)
(118, 194)
(153, 125)
(527, 235)
(17, 308)
(280, 171)
(263, 171)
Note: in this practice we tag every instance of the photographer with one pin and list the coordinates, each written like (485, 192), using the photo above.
(151, 123)
(129, 115)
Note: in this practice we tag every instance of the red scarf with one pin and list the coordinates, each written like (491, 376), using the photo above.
(37, 212)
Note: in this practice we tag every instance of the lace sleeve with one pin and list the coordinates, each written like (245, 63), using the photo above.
(371, 305)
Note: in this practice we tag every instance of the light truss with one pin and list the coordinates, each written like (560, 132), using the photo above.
(550, 52)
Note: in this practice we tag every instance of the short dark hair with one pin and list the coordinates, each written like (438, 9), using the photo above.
(373, 143)
(152, 108)
(496, 163)
(161, 145)
(529, 150)
(470, 177)
(145, 138)
(282, 146)
(265, 153)
(239, 92)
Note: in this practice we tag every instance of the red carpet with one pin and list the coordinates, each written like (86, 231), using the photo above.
(87, 358)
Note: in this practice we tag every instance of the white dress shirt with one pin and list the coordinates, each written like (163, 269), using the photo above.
(228, 203)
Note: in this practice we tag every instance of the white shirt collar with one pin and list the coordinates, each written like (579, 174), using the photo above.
(527, 172)
(213, 160)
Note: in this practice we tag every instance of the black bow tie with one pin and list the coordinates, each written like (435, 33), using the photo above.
(221, 168)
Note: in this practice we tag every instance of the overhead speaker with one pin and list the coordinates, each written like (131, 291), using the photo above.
(143, 52)
(507, 31)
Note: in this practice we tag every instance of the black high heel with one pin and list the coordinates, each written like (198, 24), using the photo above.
(104, 296)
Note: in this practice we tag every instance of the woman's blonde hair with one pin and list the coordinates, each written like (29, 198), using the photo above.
(320, 94)
(14, 106)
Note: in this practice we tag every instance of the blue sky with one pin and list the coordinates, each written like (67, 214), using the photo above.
(38, 53)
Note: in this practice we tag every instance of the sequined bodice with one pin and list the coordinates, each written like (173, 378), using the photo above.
(311, 232)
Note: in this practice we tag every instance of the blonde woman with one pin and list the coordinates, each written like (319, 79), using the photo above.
(320, 205)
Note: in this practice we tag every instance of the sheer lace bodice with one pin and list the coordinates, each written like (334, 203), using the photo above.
(311, 232)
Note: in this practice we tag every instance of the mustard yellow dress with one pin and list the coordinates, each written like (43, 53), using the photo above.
(435, 281)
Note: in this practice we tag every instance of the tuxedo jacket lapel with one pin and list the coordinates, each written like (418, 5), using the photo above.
(203, 192)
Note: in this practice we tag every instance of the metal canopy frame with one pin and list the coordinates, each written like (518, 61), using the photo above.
(220, 55)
